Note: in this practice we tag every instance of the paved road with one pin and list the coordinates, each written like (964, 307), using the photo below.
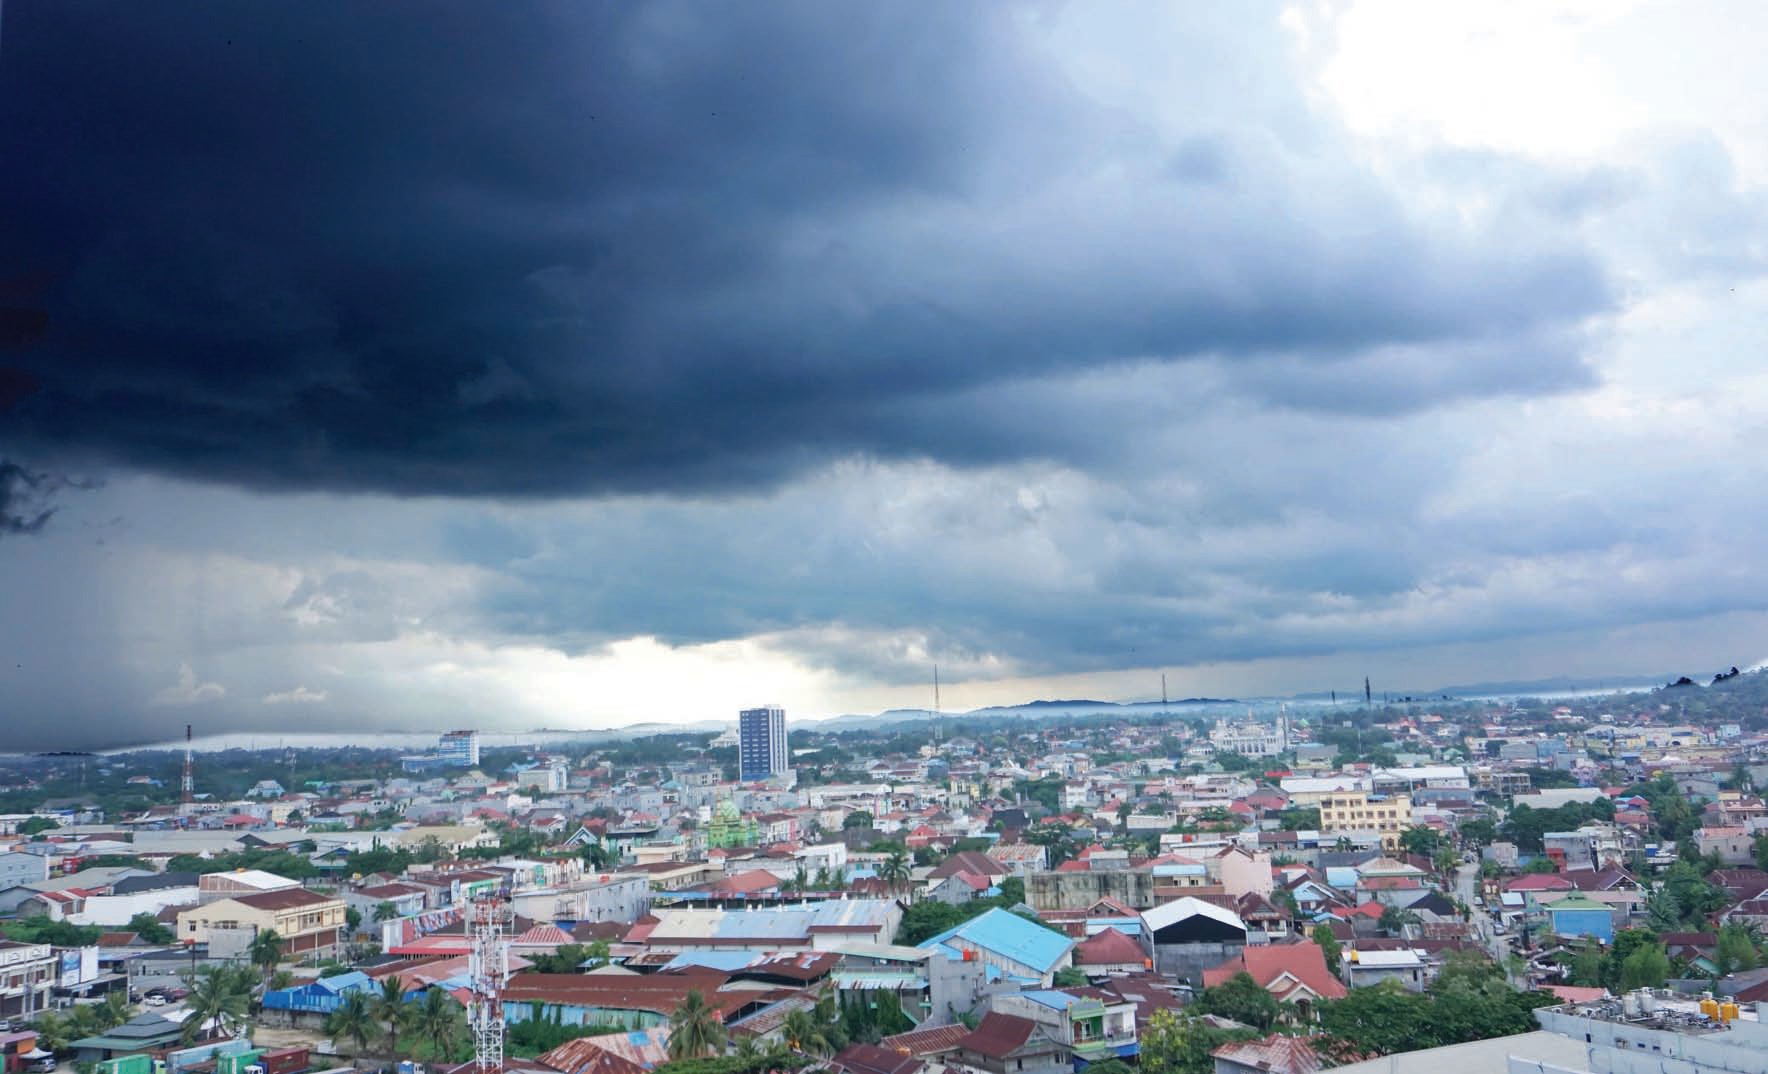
(1466, 887)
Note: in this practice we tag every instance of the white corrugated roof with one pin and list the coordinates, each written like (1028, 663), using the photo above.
(1189, 906)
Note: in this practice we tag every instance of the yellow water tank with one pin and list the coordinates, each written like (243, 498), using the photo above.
(1728, 1013)
(1709, 1008)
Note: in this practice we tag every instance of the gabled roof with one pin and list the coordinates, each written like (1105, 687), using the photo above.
(970, 861)
(1165, 914)
(1275, 1054)
(1011, 936)
(1280, 969)
(1108, 947)
(872, 1059)
(999, 1035)
(931, 1040)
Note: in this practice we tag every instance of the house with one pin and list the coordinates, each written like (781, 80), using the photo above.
(321, 996)
(1094, 1024)
(1008, 1044)
(873, 1059)
(1014, 946)
(27, 972)
(1364, 968)
(1275, 1054)
(1292, 973)
(143, 1033)
(1580, 915)
(1109, 951)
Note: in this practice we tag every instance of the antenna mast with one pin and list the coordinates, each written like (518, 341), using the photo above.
(488, 968)
(187, 785)
(936, 702)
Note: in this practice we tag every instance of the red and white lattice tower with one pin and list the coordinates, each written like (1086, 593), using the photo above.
(487, 919)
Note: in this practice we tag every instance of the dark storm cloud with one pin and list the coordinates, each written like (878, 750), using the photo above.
(469, 249)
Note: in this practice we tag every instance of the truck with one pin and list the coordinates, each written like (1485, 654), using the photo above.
(280, 1061)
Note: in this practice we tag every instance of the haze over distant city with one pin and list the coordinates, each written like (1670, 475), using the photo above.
(583, 365)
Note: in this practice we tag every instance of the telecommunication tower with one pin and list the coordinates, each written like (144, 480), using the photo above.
(488, 966)
(187, 785)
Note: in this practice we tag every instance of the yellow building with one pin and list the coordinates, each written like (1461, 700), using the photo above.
(310, 924)
(1351, 812)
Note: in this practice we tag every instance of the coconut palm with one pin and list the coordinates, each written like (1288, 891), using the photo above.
(265, 952)
(804, 1034)
(439, 1019)
(385, 911)
(219, 996)
(895, 870)
(694, 1028)
(82, 1021)
(114, 1010)
(353, 1018)
(391, 1010)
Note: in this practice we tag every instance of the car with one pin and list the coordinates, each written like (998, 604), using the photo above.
(43, 1065)
(154, 999)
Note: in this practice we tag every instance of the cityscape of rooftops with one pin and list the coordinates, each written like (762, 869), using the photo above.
(813, 538)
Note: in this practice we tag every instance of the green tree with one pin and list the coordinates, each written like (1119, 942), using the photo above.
(219, 995)
(1420, 840)
(694, 1028)
(265, 952)
(1647, 967)
(894, 870)
(1242, 999)
(150, 929)
(441, 1021)
(1069, 977)
(114, 1009)
(1180, 1044)
(1379, 1020)
(385, 911)
(804, 1034)
(37, 825)
(353, 1018)
(1394, 919)
(1478, 832)
(859, 818)
(1330, 948)
(1735, 950)
(392, 1012)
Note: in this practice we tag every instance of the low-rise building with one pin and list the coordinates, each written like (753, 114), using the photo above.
(311, 925)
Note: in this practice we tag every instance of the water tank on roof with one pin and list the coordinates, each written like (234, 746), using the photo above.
(1630, 1004)
(1728, 1012)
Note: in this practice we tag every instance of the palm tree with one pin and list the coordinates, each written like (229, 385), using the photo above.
(695, 1030)
(438, 1019)
(803, 1034)
(114, 1010)
(391, 1010)
(385, 911)
(265, 952)
(82, 1021)
(353, 1018)
(895, 870)
(219, 995)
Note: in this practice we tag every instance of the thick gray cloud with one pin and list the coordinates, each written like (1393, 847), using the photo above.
(458, 363)
(585, 248)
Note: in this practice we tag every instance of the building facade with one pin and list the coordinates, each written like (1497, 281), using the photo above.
(1354, 812)
(459, 748)
(761, 743)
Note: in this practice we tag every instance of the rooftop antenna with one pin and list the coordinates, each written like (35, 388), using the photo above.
(187, 785)
(1163, 693)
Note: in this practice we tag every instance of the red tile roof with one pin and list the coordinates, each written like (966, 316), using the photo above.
(998, 1035)
(929, 1041)
(1109, 947)
(1281, 970)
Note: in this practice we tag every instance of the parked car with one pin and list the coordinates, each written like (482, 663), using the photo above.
(43, 1065)
(154, 999)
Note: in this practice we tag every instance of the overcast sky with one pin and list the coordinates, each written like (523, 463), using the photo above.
(408, 365)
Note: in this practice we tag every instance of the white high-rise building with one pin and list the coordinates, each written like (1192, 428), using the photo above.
(459, 748)
(761, 743)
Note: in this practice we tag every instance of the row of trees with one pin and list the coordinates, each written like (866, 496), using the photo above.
(435, 1019)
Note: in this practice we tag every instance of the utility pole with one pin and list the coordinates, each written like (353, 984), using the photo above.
(936, 704)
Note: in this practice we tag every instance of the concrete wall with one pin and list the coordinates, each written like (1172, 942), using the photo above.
(1187, 961)
(1076, 891)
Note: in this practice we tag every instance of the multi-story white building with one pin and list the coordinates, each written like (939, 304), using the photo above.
(1251, 739)
(459, 748)
(27, 973)
(1650, 1032)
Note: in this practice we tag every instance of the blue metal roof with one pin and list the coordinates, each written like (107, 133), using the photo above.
(717, 960)
(1010, 936)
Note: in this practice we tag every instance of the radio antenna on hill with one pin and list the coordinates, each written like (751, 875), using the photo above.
(935, 703)
(187, 785)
